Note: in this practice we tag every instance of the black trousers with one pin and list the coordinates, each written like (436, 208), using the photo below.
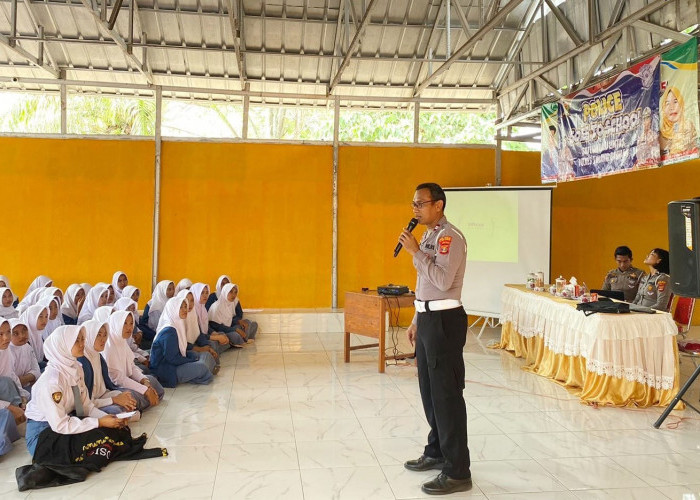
(439, 343)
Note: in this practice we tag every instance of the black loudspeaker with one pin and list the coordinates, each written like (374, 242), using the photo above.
(683, 232)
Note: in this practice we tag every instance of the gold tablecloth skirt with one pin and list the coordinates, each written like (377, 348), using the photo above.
(571, 372)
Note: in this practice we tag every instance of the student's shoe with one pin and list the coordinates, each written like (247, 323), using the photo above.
(444, 485)
(425, 463)
(136, 417)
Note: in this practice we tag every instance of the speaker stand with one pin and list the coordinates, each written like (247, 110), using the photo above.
(679, 397)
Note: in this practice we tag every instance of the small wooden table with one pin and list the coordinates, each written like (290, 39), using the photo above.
(365, 314)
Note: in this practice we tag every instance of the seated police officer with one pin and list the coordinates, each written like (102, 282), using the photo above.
(625, 277)
(654, 288)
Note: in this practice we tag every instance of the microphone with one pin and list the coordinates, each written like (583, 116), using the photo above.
(411, 226)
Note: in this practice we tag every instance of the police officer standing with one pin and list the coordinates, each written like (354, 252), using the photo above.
(625, 277)
(439, 331)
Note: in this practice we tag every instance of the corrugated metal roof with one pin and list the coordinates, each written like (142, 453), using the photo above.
(283, 51)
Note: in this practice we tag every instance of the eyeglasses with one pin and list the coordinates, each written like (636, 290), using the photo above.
(419, 204)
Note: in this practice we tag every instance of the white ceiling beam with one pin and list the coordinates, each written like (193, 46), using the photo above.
(352, 48)
(114, 35)
(469, 44)
(236, 33)
(26, 55)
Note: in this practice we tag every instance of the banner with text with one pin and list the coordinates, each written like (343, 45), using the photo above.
(611, 127)
(678, 137)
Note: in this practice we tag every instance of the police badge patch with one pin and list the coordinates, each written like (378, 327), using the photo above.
(57, 396)
(444, 244)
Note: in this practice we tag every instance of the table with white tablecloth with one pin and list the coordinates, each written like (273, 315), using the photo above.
(616, 359)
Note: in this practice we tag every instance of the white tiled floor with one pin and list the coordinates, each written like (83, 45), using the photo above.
(287, 418)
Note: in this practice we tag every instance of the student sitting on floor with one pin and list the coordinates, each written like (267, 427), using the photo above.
(183, 284)
(221, 315)
(5, 283)
(7, 310)
(218, 341)
(250, 328)
(96, 297)
(36, 318)
(33, 292)
(11, 401)
(65, 448)
(24, 360)
(119, 281)
(196, 340)
(213, 297)
(148, 323)
(140, 356)
(120, 362)
(53, 304)
(103, 392)
(72, 303)
(170, 359)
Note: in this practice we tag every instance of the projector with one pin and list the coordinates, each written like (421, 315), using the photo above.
(392, 289)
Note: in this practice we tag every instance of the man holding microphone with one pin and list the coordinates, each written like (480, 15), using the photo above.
(439, 331)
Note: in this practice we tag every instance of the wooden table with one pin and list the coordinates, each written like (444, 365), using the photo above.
(365, 314)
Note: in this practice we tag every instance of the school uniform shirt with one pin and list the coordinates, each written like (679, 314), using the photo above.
(100, 387)
(52, 395)
(157, 303)
(29, 318)
(222, 311)
(69, 308)
(8, 312)
(90, 304)
(654, 291)
(115, 280)
(120, 360)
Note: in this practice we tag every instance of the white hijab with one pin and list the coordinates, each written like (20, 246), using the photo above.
(191, 323)
(117, 354)
(171, 318)
(7, 363)
(30, 299)
(115, 280)
(8, 312)
(92, 329)
(107, 286)
(124, 303)
(52, 323)
(29, 318)
(222, 311)
(200, 309)
(129, 291)
(183, 284)
(218, 284)
(69, 306)
(39, 282)
(160, 297)
(58, 352)
(102, 313)
(91, 301)
(6, 280)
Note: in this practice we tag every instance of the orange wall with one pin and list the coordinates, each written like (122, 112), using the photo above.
(260, 213)
(78, 210)
(376, 186)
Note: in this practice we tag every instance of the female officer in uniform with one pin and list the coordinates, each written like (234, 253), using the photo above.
(654, 289)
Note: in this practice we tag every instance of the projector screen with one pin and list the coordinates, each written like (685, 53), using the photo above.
(508, 236)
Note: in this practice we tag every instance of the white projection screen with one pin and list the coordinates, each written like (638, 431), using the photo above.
(508, 232)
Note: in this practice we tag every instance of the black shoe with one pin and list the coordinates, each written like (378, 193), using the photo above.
(425, 463)
(443, 485)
